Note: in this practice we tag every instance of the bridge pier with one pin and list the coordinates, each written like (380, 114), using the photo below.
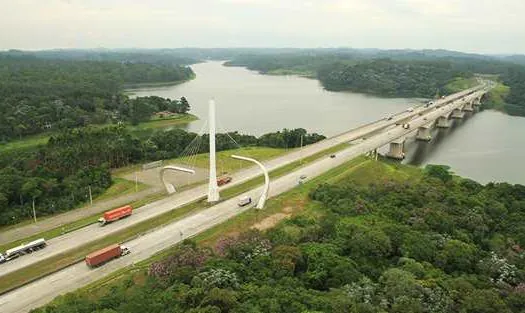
(469, 106)
(423, 133)
(457, 114)
(397, 148)
(443, 122)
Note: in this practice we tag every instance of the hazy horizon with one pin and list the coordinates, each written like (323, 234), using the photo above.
(481, 26)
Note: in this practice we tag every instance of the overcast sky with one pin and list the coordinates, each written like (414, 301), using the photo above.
(485, 26)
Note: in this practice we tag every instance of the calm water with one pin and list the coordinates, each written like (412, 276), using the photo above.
(487, 146)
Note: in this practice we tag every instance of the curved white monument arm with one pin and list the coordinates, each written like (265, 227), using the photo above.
(169, 186)
(264, 195)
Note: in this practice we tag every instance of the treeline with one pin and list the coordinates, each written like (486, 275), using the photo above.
(390, 78)
(57, 176)
(393, 73)
(434, 245)
(46, 94)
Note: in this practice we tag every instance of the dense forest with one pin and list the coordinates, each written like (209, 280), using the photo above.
(39, 94)
(394, 73)
(432, 244)
(58, 174)
(390, 78)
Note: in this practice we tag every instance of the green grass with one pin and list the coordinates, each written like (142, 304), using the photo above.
(50, 265)
(165, 122)
(25, 143)
(496, 96)
(225, 163)
(461, 83)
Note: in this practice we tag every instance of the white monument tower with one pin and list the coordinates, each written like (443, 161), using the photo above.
(213, 188)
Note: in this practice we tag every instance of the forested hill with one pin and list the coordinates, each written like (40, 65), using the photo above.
(40, 94)
(398, 73)
(391, 78)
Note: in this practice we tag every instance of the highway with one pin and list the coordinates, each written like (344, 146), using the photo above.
(33, 229)
(93, 232)
(44, 290)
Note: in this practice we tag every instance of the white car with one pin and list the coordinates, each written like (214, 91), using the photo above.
(244, 201)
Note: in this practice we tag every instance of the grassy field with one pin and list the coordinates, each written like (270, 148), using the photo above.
(495, 98)
(53, 264)
(460, 84)
(225, 163)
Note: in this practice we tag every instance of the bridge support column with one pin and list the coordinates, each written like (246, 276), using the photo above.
(458, 114)
(469, 106)
(397, 149)
(423, 133)
(443, 122)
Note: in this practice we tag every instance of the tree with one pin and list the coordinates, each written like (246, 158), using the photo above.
(184, 106)
(439, 171)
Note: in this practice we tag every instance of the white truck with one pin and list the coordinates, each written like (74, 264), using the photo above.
(22, 249)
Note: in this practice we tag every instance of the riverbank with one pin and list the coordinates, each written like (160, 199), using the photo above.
(128, 88)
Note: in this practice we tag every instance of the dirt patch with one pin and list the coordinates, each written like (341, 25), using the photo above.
(152, 176)
(270, 221)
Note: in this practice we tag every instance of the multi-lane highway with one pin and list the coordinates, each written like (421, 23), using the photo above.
(93, 232)
(43, 290)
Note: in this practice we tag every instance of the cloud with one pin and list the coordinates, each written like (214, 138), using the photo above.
(472, 25)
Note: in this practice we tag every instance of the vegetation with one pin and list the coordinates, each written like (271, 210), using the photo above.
(50, 265)
(390, 78)
(419, 241)
(58, 175)
(39, 95)
(460, 84)
(396, 73)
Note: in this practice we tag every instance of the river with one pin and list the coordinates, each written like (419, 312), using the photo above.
(486, 146)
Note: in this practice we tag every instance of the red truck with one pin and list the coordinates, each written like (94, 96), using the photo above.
(224, 180)
(115, 214)
(104, 255)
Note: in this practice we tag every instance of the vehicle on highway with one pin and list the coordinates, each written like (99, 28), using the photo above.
(106, 254)
(332, 156)
(303, 177)
(390, 118)
(115, 214)
(244, 201)
(224, 180)
(22, 249)
(406, 126)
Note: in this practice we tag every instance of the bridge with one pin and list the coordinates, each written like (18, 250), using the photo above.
(388, 131)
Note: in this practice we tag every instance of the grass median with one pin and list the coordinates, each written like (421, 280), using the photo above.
(50, 265)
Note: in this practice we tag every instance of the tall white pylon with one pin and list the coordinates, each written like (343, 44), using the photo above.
(213, 188)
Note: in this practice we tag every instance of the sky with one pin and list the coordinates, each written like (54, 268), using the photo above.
(482, 26)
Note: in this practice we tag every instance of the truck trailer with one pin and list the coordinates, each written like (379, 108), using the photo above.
(115, 214)
(102, 256)
(224, 180)
(22, 249)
